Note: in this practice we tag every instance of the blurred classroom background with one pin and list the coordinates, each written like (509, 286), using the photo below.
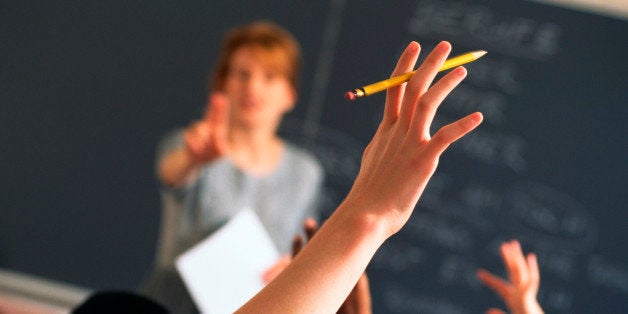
(88, 88)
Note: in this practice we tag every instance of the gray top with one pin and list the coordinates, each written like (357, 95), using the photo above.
(281, 199)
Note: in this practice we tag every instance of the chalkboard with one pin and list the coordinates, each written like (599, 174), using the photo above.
(547, 167)
(88, 89)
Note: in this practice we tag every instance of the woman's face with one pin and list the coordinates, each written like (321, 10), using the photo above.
(259, 92)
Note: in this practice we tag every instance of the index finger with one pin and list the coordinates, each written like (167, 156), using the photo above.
(533, 268)
(405, 64)
(510, 251)
(420, 82)
(217, 111)
(495, 283)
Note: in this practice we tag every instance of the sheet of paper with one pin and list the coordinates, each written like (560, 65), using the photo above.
(225, 270)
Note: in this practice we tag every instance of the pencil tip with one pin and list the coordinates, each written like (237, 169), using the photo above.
(479, 53)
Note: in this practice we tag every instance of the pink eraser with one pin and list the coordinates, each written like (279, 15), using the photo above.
(349, 96)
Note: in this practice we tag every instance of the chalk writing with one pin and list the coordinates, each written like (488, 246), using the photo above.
(442, 232)
(608, 274)
(495, 149)
(557, 298)
(466, 99)
(494, 72)
(474, 195)
(550, 218)
(516, 36)
(398, 258)
(459, 270)
(557, 264)
(400, 301)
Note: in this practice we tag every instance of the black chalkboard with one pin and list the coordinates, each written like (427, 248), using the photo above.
(88, 89)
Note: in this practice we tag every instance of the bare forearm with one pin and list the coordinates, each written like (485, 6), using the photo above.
(325, 272)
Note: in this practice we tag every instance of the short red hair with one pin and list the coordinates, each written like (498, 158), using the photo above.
(276, 46)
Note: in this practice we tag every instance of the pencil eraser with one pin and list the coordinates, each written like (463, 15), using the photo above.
(349, 96)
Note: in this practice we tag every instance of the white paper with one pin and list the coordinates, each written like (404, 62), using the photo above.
(225, 270)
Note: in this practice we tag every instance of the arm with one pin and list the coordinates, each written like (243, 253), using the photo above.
(205, 140)
(359, 299)
(396, 167)
(519, 293)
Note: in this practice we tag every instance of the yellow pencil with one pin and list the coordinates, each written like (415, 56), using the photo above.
(397, 80)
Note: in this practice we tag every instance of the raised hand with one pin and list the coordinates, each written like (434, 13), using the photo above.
(402, 156)
(396, 166)
(519, 291)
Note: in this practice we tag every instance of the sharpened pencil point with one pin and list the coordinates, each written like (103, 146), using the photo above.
(479, 53)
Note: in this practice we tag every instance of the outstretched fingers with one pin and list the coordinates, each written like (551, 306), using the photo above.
(498, 285)
(533, 268)
(451, 133)
(421, 81)
(218, 116)
(431, 100)
(518, 268)
(217, 110)
(394, 95)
